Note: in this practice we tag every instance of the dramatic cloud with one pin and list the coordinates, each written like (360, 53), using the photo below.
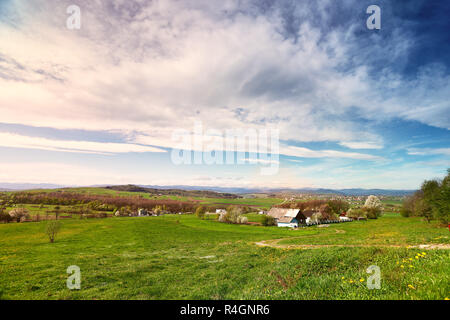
(147, 66)
(145, 69)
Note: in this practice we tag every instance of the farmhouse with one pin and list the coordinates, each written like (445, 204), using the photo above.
(286, 217)
(221, 211)
(277, 213)
(290, 217)
(287, 222)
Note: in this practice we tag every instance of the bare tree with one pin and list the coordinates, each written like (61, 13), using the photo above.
(52, 230)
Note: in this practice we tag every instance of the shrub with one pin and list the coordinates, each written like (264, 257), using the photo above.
(267, 221)
(242, 220)
(5, 217)
(404, 212)
(52, 230)
(200, 212)
(316, 217)
(356, 213)
(101, 215)
(371, 212)
(19, 214)
(232, 215)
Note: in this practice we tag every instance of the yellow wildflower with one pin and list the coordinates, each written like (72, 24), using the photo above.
(343, 278)
(411, 287)
(402, 266)
(351, 281)
(361, 280)
(424, 253)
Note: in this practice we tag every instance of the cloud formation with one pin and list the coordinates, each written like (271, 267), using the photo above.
(147, 68)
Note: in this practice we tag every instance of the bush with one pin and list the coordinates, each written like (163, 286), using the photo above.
(371, 212)
(404, 212)
(356, 213)
(267, 221)
(5, 217)
(233, 215)
(200, 212)
(242, 220)
(19, 214)
(317, 217)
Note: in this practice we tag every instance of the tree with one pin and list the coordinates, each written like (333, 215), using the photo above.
(267, 221)
(327, 212)
(4, 217)
(200, 212)
(441, 203)
(338, 206)
(372, 207)
(19, 214)
(157, 210)
(52, 230)
(356, 213)
(57, 212)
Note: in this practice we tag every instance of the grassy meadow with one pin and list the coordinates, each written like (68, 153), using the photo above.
(183, 257)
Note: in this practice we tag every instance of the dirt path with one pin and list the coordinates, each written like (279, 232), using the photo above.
(274, 243)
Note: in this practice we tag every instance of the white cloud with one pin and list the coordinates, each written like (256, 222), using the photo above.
(429, 151)
(20, 141)
(308, 153)
(361, 145)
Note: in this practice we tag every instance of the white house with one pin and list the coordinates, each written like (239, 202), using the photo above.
(290, 222)
(220, 211)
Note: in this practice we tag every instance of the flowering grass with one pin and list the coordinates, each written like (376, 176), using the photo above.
(182, 257)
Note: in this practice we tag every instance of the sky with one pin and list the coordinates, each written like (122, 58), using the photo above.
(111, 102)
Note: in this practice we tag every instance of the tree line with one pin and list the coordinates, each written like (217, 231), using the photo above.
(432, 201)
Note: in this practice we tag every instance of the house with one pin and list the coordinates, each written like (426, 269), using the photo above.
(290, 222)
(344, 219)
(142, 213)
(290, 217)
(221, 211)
(307, 216)
(286, 217)
(277, 213)
(262, 212)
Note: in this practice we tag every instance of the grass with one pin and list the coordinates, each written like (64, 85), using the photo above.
(182, 257)
(391, 229)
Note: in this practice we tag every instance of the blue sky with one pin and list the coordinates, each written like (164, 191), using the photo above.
(353, 107)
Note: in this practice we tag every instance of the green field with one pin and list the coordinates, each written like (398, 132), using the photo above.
(182, 257)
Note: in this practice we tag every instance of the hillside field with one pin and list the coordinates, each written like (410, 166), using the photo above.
(183, 257)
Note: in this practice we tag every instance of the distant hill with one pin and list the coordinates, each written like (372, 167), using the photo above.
(28, 186)
(343, 192)
(174, 192)
(215, 192)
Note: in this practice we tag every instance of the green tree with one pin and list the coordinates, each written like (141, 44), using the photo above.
(441, 203)
(338, 206)
(267, 221)
(200, 212)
